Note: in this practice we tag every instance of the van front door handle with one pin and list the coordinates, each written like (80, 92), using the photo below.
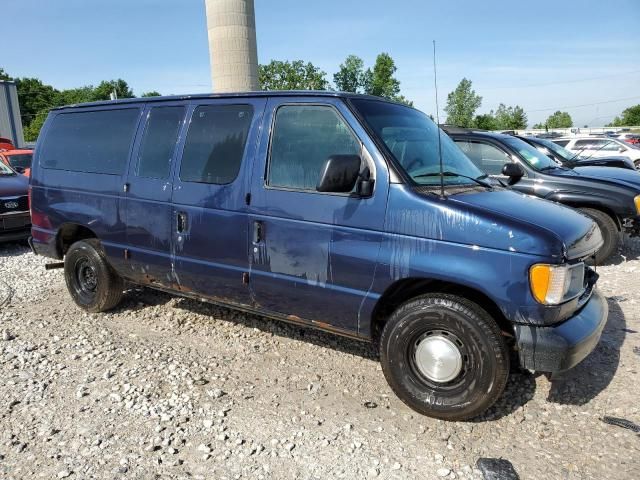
(181, 222)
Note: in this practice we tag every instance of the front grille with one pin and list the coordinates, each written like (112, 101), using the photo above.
(14, 204)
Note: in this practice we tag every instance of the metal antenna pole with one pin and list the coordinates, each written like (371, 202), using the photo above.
(435, 82)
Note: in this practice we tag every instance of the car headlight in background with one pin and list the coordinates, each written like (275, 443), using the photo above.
(637, 202)
(554, 284)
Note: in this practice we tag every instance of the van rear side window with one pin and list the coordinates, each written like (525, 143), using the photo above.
(92, 142)
(215, 143)
(159, 142)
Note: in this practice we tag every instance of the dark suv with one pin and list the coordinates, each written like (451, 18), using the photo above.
(610, 196)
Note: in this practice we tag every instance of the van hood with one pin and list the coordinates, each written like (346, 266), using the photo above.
(13, 185)
(536, 225)
(619, 176)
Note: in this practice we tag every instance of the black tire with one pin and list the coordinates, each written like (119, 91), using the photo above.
(93, 284)
(637, 164)
(610, 235)
(485, 357)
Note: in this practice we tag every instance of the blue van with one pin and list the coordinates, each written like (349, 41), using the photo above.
(326, 210)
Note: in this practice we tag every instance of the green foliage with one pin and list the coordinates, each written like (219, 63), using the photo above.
(485, 122)
(152, 93)
(34, 97)
(510, 118)
(32, 130)
(350, 77)
(295, 75)
(462, 104)
(380, 81)
(557, 120)
(630, 117)
(106, 88)
(75, 95)
(4, 75)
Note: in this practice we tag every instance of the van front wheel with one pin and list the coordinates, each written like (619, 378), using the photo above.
(444, 357)
(91, 281)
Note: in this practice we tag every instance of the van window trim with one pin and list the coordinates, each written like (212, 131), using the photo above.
(180, 154)
(100, 108)
(364, 158)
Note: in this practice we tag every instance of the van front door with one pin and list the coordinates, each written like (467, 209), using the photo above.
(209, 199)
(148, 215)
(313, 254)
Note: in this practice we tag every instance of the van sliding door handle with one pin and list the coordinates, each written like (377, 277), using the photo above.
(181, 222)
(258, 232)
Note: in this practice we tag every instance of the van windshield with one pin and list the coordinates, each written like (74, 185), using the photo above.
(412, 138)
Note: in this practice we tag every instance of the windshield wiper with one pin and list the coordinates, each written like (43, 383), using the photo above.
(454, 174)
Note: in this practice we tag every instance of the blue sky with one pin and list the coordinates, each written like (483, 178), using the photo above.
(583, 57)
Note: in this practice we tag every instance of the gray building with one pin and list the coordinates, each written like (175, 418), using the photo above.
(10, 122)
(233, 51)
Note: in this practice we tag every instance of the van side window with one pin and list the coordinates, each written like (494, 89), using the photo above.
(215, 143)
(486, 157)
(159, 142)
(94, 142)
(304, 136)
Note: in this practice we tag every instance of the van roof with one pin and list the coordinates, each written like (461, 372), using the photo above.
(260, 93)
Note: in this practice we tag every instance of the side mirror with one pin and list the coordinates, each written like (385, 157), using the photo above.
(513, 170)
(339, 174)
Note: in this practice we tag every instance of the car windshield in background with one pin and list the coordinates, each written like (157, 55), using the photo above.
(412, 138)
(4, 170)
(532, 155)
(557, 149)
(21, 160)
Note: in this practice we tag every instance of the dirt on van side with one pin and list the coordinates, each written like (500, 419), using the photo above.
(171, 388)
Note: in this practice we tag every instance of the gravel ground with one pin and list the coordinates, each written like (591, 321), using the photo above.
(170, 388)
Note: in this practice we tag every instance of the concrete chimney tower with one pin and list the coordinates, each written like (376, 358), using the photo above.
(232, 45)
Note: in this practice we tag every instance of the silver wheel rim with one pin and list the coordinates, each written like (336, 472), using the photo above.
(438, 358)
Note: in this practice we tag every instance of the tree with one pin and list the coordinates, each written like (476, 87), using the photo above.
(630, 118)
(510, 118)
(485, 122)
(75, 95)
(462, 104)
(557, 120)
(4, 75)
(295, 75)
(380, 81)
(152, 93)
(351, 76)
(106, 88)
(34, 97)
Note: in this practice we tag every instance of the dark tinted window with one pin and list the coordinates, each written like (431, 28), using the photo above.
(22, 160)
(304, 137)
(96, 142)
(159, 142)
(215, 143)
(562, 143)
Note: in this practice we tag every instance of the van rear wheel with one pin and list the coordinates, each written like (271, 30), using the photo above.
(91, 281)
(444, 356)
(610, 234)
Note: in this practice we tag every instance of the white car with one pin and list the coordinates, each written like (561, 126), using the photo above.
(600, 147)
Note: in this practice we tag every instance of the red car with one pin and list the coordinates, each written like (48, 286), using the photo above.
(19, 160)
(6, 144)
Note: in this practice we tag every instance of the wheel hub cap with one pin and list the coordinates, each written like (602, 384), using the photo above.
(438, 358)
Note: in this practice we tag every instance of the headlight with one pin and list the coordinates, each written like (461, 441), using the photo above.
(637, 202)
(554, 284)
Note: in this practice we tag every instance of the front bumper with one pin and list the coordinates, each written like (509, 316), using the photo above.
(15, 226)
(563, 346)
